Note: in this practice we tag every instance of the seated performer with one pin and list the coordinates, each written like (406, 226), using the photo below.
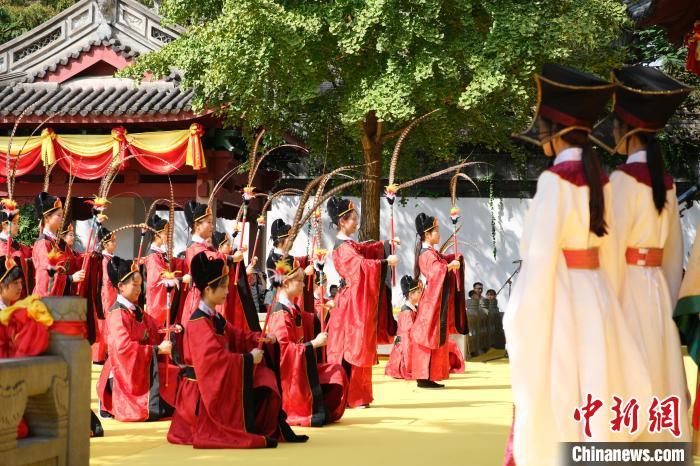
(50, 276)
(133, 385)
(24, 324)
(313, 393)
(228, 398)
(156, 263)
(399, 364)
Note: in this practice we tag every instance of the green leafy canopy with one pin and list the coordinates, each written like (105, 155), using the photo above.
(319, 68)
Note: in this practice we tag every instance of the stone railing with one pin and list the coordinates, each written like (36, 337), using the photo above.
(52, 392)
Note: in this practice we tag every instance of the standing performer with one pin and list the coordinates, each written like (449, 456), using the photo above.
(228, 397)
(647, 228)
(50, 276)
(73, 260)
(442, 304)
(399, 364)
(107, 242)
(156, 263)
(313, 393)
(687, 316)
(362, 317)
(568, 341)
(279, 234)
(131, 387)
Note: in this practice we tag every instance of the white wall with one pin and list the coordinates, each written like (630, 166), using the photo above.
(475, 236)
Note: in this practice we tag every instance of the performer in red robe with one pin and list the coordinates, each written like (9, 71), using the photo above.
(50, 275)
(9, 217)
(441, 307)
(199, 220)
(279, 233)
(362, 317)
(238, 309)
(399, 364)
(228, 397)
(313, 393)
(24, 324)
(132, 382)
(106, 246)
(156, 262)
(73, 260)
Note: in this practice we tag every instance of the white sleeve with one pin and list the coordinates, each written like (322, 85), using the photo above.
(673, 249)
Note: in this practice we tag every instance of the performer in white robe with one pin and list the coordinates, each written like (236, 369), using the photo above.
(647, 228)
(566, 336)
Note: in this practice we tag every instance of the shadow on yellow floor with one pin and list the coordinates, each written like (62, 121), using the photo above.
(466, 424)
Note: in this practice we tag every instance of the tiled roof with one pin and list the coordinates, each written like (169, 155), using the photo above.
(96, 97)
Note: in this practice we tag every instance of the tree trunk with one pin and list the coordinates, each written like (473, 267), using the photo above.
(371, 192)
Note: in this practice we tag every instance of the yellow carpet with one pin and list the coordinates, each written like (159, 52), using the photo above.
(466, 423)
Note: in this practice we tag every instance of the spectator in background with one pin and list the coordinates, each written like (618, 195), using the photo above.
(333, 290)
(478, 290)
(495, 320)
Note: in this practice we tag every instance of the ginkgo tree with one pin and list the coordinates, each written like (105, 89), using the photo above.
(347, 76)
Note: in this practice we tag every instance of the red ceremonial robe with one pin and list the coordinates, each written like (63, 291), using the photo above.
(156, 293)
(456, 357)
(440, 310)
(132, 382)
(399, 364)
(21, 253)
(40, 251)
(24, 333)
(224, 400)
(362, 317)
(91, 290)
(313, 393)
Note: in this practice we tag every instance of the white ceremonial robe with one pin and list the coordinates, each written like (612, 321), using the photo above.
(648, 295)
(565, 332)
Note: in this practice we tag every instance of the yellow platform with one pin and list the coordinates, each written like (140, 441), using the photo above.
(466, 423)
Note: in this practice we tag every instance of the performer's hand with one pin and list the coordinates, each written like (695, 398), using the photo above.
(330, 304)
(237, 256)
(393, 260)
(186, 278)
(320, 340)
(454, 265)
(396, 241)
(257, 355)
(309, 270)
(251, 266)
(166, 347)
(177, 328)
(78, 276)
(244, 248)
(270, 339)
